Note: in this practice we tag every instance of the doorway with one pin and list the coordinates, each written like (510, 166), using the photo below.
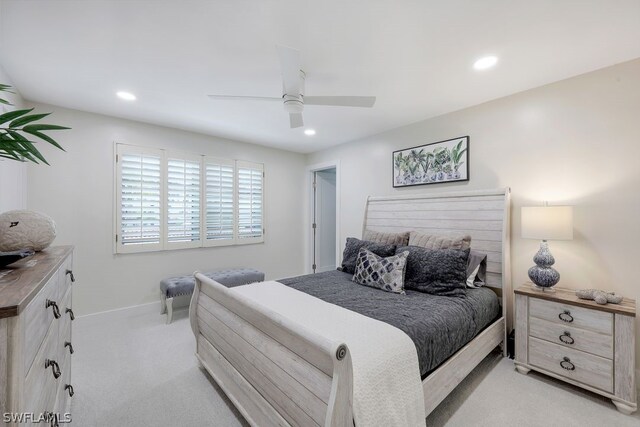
(324, 219)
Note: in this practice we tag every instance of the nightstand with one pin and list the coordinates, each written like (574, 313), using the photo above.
(578, 341)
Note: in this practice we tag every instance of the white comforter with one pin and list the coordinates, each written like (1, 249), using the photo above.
(387, 390)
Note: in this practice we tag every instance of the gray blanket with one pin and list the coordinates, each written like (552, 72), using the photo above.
(438, 325)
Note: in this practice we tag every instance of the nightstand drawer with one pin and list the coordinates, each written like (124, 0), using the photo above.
(571, 315)
(570, 337)
(585, 368)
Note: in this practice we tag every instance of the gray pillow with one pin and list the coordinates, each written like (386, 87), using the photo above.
(439, 241)
(382, 273)
(354, 245)
(437, 272)
(400, 239)
(476, 269)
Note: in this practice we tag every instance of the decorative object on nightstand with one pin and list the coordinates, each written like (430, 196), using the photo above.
(600, 297)
(578, 341)
(546, 223)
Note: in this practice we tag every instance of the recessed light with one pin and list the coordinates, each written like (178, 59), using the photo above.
(127, 96)
(486, 62)
(309, 132)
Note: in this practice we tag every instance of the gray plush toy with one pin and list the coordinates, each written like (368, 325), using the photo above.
(600, 297)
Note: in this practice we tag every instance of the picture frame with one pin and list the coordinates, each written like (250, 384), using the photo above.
(433, 163)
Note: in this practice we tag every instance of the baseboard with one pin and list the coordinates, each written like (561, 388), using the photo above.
(150, 307)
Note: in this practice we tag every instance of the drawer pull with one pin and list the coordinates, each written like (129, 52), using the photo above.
(54, 307)
(566, 338)
(566, 364)
(68, 344)
(566, 316)
(71, 315)
(70, 274)
(55, 368)
(69, 388)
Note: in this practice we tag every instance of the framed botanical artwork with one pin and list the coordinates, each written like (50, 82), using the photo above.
(435, 163)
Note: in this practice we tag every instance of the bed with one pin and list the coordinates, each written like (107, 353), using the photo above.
(266, 364)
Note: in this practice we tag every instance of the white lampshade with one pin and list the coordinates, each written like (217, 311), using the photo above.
(547, 222)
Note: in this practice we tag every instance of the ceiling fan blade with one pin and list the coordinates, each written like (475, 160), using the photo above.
(245, 98)
(341, 101)
(290, 65)
(295, 120)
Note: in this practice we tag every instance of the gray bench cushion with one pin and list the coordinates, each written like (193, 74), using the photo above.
(184, 285)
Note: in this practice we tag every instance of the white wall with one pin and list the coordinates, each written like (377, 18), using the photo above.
(575, 142)
(77, 192)
(13, 175)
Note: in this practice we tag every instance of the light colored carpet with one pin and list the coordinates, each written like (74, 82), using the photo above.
(130, 369)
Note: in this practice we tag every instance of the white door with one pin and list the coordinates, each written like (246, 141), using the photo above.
(324, 220)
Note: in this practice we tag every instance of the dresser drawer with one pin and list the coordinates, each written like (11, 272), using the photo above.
(578, 317)
(587, 369)
(40, 386)
(64, 334)
(38, 317)
(570, 337)
(63, 400)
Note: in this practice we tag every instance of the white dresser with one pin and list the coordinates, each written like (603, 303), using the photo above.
(35, 339)
(578, 341)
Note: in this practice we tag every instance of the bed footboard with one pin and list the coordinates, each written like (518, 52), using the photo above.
(274, 371)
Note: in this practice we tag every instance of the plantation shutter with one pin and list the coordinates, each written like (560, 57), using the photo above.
(219, 201)
(139, 207)
(183, 201)
(250, 179)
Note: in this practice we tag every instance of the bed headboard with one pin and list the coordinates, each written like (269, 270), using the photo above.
(483, 214)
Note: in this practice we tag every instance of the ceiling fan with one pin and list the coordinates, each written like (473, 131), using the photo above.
(293, 96)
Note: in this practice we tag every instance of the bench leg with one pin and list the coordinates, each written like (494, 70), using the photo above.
(163, 303)
(169, 310)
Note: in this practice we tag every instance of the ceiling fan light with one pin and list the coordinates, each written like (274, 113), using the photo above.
(127, 96)
(485, 62)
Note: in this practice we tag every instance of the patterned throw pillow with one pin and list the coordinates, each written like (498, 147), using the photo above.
(382, 273)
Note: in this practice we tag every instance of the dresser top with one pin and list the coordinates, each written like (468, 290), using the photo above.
(22, 280)
(568, 296)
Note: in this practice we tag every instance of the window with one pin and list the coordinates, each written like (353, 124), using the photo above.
(139, 200)
(183, 201)
(219, 211)
(249, 201)
(167, 200)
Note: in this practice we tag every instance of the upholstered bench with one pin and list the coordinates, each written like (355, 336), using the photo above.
(176, 291)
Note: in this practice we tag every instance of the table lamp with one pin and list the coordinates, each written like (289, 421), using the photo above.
(546, 223)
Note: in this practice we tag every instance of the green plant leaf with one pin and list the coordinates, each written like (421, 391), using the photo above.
(21, 121)
(28, 146)
(43, 137)
(460, 155)
(5, 102)
(11, 115)
(7, 156)
(40, 127)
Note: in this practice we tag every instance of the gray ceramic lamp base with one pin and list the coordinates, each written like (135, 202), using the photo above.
(542, 274)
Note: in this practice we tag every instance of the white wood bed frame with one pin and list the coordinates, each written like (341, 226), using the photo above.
(279, 374)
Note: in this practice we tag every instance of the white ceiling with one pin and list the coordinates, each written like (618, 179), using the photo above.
(415, 56)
